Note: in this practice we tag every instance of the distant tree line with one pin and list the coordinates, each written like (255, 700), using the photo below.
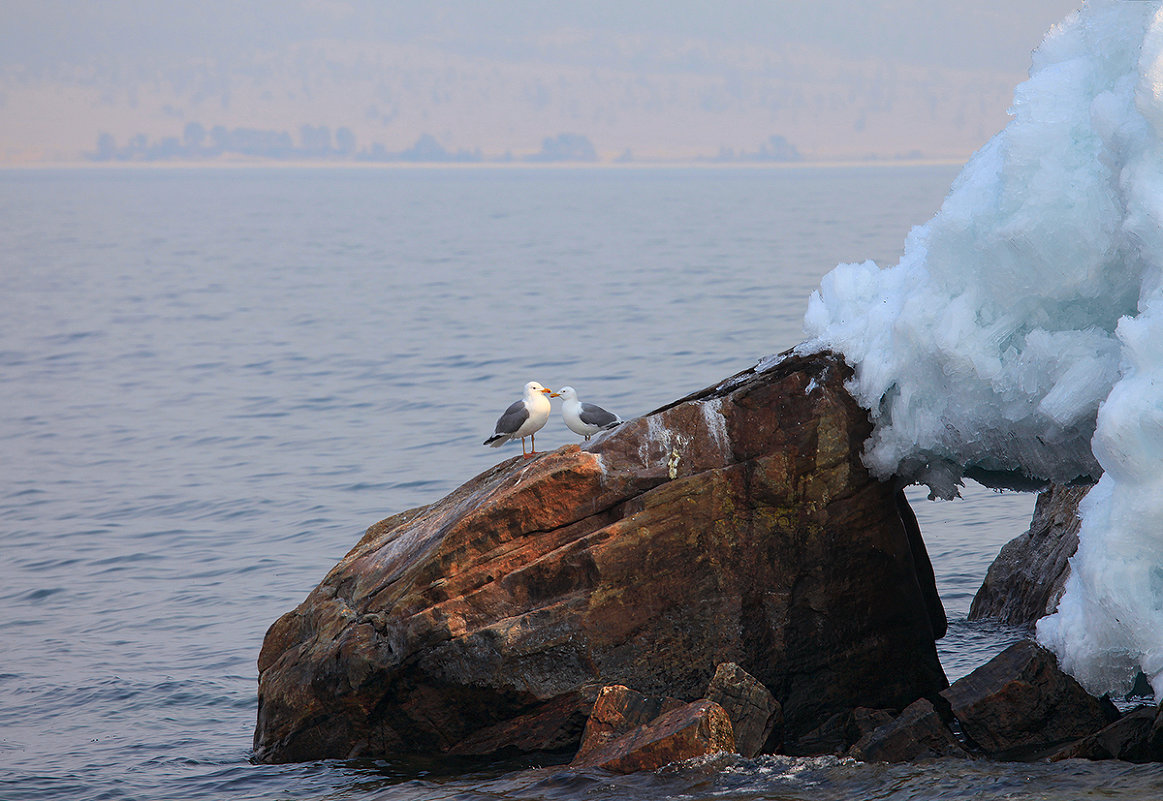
(197, 143)
(776, 148)
(315, 142)
(318, 142)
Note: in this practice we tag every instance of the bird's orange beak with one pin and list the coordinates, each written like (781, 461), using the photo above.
(554, 394)
(549, 393)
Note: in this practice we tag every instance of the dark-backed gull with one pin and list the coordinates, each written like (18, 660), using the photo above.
(583, 418)
(523, 419)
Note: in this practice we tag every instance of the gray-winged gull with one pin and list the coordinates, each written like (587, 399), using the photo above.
(523, 419)
(586, 419)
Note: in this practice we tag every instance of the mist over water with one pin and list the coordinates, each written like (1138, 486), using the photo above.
(214, 380)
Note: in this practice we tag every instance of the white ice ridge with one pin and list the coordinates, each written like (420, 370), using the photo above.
(1030, 300)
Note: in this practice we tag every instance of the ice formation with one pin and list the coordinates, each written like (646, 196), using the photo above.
(1020, 338)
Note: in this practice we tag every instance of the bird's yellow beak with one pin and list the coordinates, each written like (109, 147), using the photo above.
(554, 394)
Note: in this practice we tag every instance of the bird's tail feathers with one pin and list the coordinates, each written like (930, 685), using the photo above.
(496, 440)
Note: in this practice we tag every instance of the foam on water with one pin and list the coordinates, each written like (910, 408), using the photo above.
(1028, 302)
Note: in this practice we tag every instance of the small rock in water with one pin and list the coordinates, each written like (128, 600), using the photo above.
(753, 710)
(917, 733)
(687, 731)
(617, 711)
(1135, 737)
(1020, 705)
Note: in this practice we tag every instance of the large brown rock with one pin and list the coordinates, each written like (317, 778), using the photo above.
(735, 525)
(1020, 705)
(1028, 577)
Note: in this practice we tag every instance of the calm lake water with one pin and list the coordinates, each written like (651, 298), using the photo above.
(211, 381)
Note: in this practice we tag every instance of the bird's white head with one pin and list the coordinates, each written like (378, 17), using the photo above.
(533, 389)
(568, 393)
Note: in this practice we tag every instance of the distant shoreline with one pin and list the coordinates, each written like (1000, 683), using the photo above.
(436, 165)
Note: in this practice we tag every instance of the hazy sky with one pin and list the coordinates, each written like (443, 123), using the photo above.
(673, 79)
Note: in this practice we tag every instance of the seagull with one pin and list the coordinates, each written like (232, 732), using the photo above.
(583, 418)
(523, 419)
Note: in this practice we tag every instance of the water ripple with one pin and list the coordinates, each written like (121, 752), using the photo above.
(261, 371)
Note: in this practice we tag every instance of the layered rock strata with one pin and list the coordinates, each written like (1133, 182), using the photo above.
(735, 525)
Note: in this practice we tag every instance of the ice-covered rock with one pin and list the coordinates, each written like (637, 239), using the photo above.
(1032, 299)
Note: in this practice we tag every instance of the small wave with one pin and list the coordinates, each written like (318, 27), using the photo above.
(14, 358)
(31, 492)
(113, 564)
(33, 596)
(365, 486)
(46, 565)
(72, 336)
(421, 484)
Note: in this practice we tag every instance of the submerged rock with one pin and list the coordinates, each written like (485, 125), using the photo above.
(1135, 737)
(1020, 705)
(735, 525)
(1028, 577)
(916, 733)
